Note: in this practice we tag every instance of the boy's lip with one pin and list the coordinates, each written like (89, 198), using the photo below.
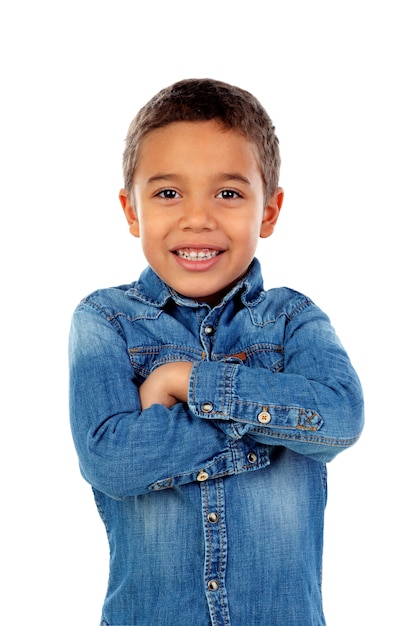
(197, 256)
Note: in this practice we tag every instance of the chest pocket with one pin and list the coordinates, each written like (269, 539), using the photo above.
(266, 355)
(144, 359)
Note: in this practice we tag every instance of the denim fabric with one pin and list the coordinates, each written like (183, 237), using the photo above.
(213, 509)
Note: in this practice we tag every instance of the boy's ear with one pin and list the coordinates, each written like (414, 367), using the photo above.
(130, 213)
(271, 213)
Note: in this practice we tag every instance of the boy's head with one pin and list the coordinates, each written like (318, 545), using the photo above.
(201, 174)
(196, 100)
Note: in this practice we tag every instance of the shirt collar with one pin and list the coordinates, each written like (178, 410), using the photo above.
(153, 291)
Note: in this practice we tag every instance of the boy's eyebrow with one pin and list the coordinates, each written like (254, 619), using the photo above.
(224, 176)
(234, 176)
(161, 177)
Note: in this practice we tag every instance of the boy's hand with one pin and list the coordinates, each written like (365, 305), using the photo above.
(166, 385)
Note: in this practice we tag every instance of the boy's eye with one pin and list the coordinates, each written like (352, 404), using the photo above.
(168, 194)
(228, 194)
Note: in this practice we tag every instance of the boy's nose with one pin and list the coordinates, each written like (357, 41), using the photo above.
(197, 216)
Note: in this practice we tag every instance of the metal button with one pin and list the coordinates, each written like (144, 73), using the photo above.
(207, 407)
(213, 585)
(202, 476)
(209, 330)
(264, 417)
(252, 457)
(213, 517)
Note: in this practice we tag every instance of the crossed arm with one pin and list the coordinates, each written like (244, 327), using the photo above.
(189, 414)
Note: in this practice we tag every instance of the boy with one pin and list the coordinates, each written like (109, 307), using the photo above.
(203, 408)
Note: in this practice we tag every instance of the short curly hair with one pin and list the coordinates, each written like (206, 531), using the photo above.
(194, 100)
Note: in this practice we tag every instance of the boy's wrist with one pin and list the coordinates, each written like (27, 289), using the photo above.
(179, 380)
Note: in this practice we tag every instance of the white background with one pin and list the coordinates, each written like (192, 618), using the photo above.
(338, 78)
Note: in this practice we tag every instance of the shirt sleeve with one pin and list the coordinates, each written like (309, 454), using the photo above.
(122, 450)
(314, 406)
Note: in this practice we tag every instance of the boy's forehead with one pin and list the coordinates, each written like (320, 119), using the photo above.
(160, 142)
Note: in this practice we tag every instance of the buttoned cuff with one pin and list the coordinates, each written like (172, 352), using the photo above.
(228, 391)
(242, 456)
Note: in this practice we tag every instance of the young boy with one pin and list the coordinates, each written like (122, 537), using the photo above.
(204, 408)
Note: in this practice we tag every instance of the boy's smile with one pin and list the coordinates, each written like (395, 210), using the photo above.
(199, 202)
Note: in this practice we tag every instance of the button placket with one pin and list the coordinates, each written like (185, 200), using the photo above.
(215, 540)
(207, 335)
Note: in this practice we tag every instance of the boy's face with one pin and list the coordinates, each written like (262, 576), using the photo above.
(199, 207)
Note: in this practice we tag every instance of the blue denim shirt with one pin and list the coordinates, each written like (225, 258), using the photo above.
(214, 508)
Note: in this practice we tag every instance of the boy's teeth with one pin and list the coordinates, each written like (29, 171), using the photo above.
(197, 255)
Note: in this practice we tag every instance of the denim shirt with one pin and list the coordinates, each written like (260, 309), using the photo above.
(213, 509)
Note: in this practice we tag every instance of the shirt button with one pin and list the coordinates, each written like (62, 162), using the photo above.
(213, 585)
(202, 476)
(264, 417)
(252, 457)
(207, 407)
(209, 330)
(213, 517)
